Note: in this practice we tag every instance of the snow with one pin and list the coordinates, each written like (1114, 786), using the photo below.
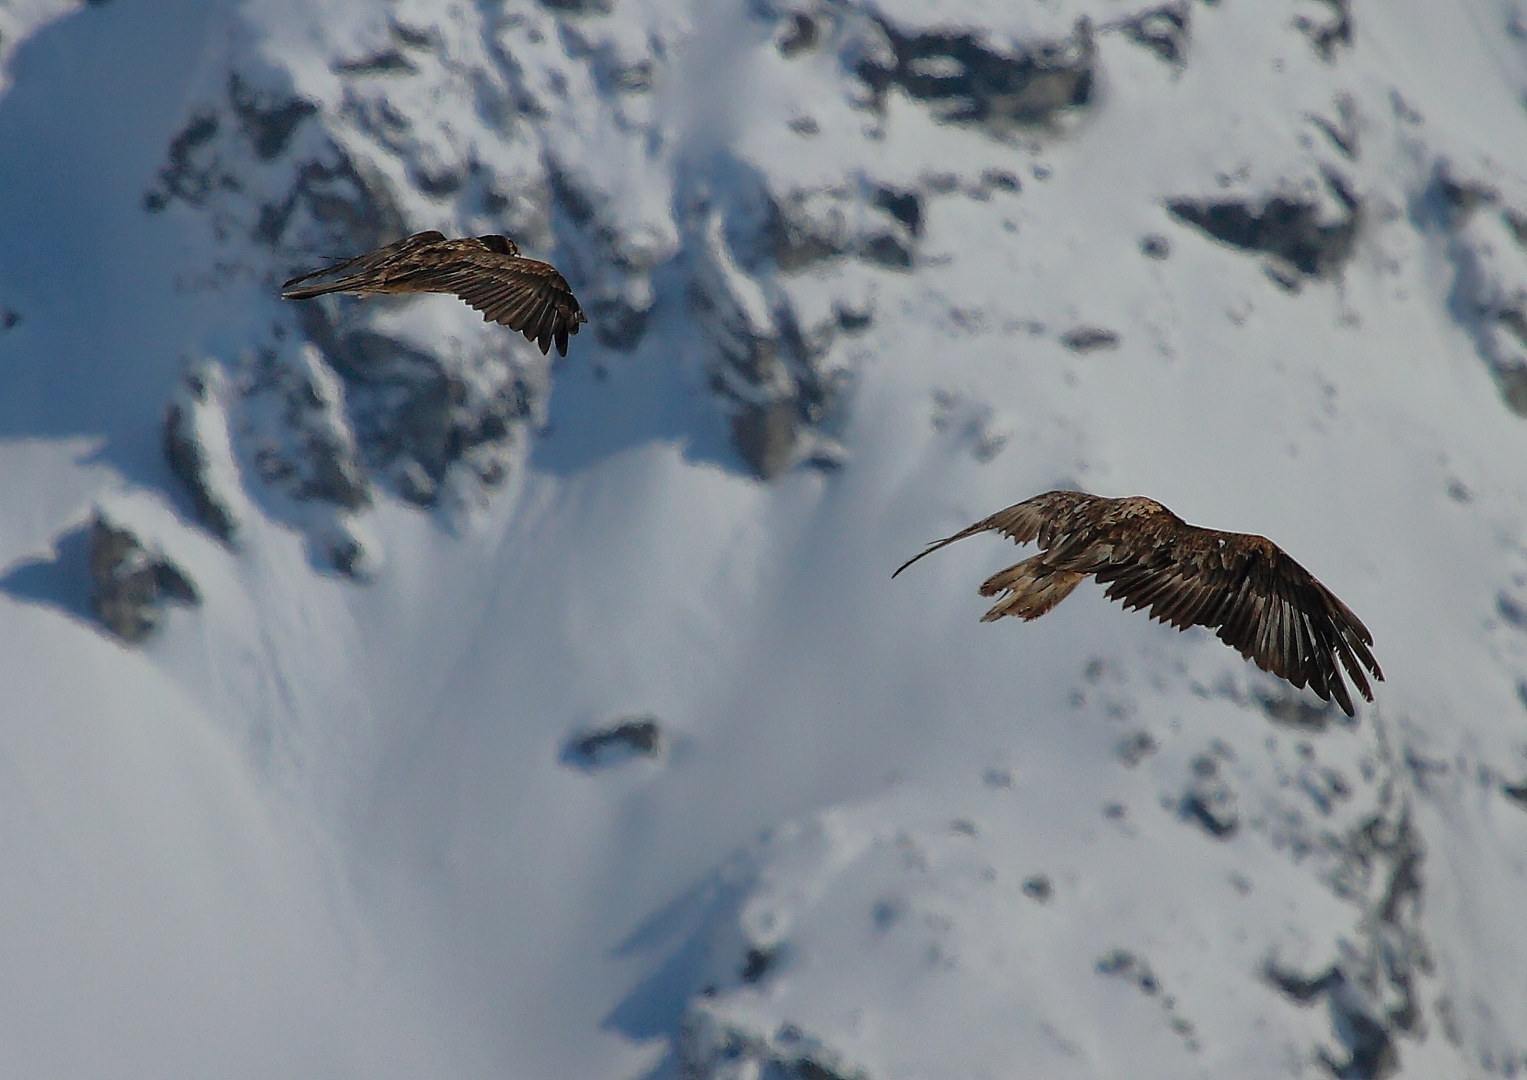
(325, 824)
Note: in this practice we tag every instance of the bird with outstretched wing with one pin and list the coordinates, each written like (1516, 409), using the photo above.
(1247, 589)
(488, 272)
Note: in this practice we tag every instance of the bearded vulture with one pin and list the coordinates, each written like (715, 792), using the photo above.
(488, 272)
(1245, 588)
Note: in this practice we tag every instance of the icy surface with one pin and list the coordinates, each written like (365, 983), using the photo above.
(858, 273)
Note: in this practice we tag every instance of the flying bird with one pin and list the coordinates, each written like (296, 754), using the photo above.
(488, 272)
(1247, 589)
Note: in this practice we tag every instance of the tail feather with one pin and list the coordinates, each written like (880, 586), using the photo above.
(1032, 588)
(307, 292)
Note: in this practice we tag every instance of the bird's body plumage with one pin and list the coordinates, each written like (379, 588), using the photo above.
(1244, 587)
(488, 272)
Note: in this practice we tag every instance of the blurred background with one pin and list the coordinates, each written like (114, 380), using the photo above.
(380, 698)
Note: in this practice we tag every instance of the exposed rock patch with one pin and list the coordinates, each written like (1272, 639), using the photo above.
(1209, 799)
(193, 421)
(638, 736)
(965, 80)
(303, 444)
(1088, 339)
(1330, 31)
(1487, 244)
(712, 1048)
(132, 584)
(1301, 237)
(1165, 31)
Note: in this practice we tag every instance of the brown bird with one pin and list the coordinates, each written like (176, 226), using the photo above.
(1246, 588)
(488, 272)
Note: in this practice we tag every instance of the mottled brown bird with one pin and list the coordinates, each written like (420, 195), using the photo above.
(1244, 587)
(488, 272)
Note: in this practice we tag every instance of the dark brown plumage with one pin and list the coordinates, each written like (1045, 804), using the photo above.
(1245, 588)
(488, 272)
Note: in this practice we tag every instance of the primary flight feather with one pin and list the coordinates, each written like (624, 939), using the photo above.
(488, 272)
(1248, 590)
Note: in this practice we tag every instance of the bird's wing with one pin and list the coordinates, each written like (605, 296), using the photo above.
(1041, 518)
(1248, 590)
(380, 259)
(522, 294)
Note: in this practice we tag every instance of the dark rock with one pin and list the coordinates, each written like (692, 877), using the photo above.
(347, 555)
(1209, 800)
(889, 251)
(758, 963)
(1517, 793)
(1086, 339)
(577, 205)
(1001, 180)
(801, 33)
(905, 206)
(796, 238)
(580, 7)
(1136, 747)
(267, 122)
(1371, 1050)
(1291, 708)
(852, 320)
(1328, 35)
(386, 62)
(1290, 231)
(618, 325)
(349, 203)
(766, 436)
(1164, 31)
(1343, 131)
(410, 415)
(639, 736)
(1038, 888)
(1121, 963)
(1155, 246)
(316, 456)
(193, 172)
(131, 584)
(188, 459)
(998, 777)
(1511, 611)
(964, 80)
(415, 37)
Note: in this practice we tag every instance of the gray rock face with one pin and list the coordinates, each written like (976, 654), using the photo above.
(1087, 339)
(963, 79)
(1330, 33)
(637, 736)
(189, 458)
(1486, 233)
(1300, 237)
(303, 443)
(259, 164)
(130, 583)
(1165, 31)
(412, 413)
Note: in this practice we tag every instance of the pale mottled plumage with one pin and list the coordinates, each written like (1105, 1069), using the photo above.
(488, 272)
(1246, 588)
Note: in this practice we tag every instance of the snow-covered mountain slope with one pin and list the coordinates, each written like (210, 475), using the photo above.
(486, 716)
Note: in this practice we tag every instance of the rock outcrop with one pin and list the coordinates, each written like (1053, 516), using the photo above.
(131, 584)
